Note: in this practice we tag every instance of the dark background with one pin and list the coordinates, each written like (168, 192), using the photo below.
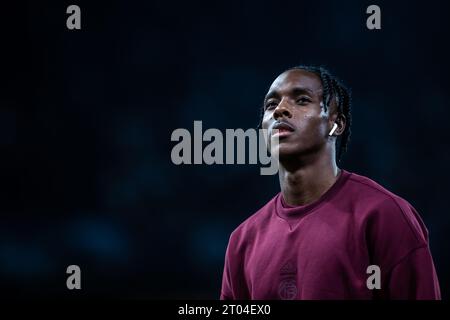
(86, 118)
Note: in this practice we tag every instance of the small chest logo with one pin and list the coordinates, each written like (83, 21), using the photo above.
(287, 290)
(288, 268)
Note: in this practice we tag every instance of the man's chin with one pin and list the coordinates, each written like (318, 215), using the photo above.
(285, 151)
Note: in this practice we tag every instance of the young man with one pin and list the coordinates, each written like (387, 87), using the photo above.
(329, 233)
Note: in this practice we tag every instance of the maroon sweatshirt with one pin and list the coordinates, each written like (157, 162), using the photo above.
(323, 250)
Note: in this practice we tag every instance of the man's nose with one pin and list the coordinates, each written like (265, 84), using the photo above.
(282, 110)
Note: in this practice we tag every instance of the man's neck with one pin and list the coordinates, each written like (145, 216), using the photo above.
(305, 184)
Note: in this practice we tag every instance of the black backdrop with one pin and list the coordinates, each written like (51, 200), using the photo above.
(86, 118)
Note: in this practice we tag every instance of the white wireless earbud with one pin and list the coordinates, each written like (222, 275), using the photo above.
(333, 130)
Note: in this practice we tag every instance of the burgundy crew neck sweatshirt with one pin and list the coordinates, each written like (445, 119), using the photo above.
(322, 250)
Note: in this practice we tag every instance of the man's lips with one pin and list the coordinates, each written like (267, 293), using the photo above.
(283, 128)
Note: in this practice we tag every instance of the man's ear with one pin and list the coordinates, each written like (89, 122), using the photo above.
(341, 122)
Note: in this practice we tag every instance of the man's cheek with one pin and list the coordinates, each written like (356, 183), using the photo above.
(266, 121)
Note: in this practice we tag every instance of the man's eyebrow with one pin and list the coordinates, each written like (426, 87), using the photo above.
(294, 91)
(302, 90)
(271, 94)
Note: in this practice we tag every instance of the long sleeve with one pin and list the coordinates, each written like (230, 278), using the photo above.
(398, 243)
(226, 290)
(233, 281)
(414, 277)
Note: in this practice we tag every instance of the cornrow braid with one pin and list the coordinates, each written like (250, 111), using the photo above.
(332, 88)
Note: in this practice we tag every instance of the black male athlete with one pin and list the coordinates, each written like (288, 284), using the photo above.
(329, 233)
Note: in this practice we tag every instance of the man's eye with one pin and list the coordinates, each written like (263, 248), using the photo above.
(303, 100)
(271, 105)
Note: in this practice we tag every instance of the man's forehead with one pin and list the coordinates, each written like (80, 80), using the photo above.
(296, 78)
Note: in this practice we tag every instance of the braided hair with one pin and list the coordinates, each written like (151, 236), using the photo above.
(332, 88)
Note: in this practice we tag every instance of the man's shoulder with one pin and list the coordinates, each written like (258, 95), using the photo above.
(375, 193)
(385, 208)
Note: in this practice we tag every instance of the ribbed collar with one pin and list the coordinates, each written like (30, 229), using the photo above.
(286, 211)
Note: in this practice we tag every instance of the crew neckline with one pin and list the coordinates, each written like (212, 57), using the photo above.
(287, 211)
